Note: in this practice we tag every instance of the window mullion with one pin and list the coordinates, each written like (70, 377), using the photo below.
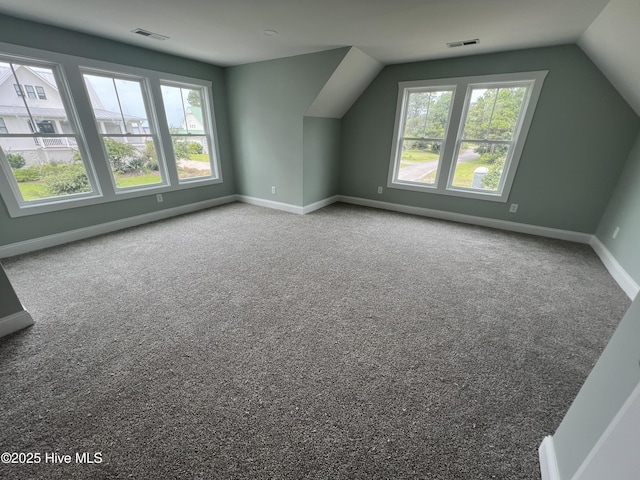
(164, 135)
(93, 142)
(449, 147)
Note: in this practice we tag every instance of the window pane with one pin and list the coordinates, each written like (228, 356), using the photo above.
(189, 130)
(419, 161)
(45, 167)
(31, 93)
(133, 160)
(42, 166)
(192, 156)
(493, 113)
(480, 165)
(427, 114)
(27, 113)
(183, 107)
(425, 125)
(118, 105)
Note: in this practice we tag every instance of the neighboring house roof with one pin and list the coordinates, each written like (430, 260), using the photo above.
(196, 112)
(45, 75)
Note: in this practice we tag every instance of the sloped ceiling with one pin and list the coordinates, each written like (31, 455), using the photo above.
(612, 43)
(351, 78)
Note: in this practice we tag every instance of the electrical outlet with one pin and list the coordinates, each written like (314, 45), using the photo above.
(273, 189)
(615, 232)
(379, 189)
(513, 208)
(159, 198)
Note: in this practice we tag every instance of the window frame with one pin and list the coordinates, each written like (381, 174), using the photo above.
(209, 125)
(455, 128)
(40, 92)
(16, 205)
(153, 123)
(95, 159)
(31, 93)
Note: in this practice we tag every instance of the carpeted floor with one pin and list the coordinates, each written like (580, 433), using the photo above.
(350, 343)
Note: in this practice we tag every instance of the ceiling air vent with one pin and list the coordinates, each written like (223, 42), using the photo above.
(463, 43)
(146, 33)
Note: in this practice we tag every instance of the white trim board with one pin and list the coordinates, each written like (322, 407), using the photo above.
(548, 461)
(287, 207)
(470, 219)
(47, 241)
(614, 452)
(14, 322)
(619, 274)
(312, 207)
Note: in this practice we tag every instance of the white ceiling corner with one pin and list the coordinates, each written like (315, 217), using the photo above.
(611, 42)
(352, 76)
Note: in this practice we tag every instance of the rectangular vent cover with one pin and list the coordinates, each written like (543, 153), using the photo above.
(146, 33)
(463, 43)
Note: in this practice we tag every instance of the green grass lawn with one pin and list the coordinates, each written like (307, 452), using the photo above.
(33, 190)
(38, 189)
(417, 156)
(135, 180)
(464, 172)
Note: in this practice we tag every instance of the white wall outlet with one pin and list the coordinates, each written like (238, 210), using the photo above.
(379, 189)
(159, 198)
(513, 208)
(273, 189)
(615, 232)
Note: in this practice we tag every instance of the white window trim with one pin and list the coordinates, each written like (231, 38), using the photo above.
(209, 127)
(148, 102)
(455, 126)
(97, 163)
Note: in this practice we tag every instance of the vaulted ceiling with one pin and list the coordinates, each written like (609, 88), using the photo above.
(233, 32)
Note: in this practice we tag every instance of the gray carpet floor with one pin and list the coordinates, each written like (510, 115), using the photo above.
(350, 343)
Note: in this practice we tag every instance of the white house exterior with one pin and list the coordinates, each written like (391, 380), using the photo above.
(37, 94)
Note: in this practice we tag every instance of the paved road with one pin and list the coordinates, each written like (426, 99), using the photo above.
(414, 171)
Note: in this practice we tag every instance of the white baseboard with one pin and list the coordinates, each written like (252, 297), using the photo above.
(470, 219)
(321, 204)
(47, 241)
(620, 275)
(548, 461)
(287, 207)
(14, 322)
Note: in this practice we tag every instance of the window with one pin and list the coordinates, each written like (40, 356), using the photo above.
(31, 93)
(109, 132)
(185, 107)
(463, 136)
(40, 165)
(127, 130)
(41, 94)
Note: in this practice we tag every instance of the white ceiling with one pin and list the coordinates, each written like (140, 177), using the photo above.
(229, 32)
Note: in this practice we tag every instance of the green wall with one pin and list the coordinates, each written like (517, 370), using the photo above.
(321, 145)
(581, 134)
(44, 37)
(267, 102)
(607, 387)
(624, 212)
(9, 302)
